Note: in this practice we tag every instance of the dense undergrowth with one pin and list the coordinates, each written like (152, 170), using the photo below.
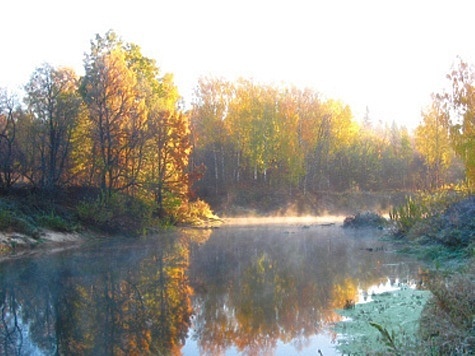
(440, 229)
(28, 212)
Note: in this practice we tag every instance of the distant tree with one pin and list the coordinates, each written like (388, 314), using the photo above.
(433, 142)
(336, 130)
(210, 133)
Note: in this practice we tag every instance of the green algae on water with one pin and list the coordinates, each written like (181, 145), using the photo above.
(388, 323)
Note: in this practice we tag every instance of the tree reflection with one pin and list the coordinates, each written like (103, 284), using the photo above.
(11, 337)
(254, 290)
(251, 290)
(125, 301)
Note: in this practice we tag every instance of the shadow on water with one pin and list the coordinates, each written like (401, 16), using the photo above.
(250, 289)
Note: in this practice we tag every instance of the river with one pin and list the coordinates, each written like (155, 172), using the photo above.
(247, 288)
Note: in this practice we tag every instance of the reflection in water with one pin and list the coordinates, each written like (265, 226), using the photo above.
(248, 289)
(259, 288)
(116, 300)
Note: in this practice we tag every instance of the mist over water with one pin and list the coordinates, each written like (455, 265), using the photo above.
(285, 220)
(259, 286)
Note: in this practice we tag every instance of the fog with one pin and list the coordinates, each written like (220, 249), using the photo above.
(305, 221)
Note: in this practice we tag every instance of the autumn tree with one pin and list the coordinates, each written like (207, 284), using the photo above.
(291, 133)
(461, 103)
(116, 112)
(168, 153)
(209, 131)
(433, 142)
(54, 103)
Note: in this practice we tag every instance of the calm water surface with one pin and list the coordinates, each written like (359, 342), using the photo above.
(255, 289)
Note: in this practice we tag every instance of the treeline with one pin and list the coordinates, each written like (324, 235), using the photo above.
(117, 132)
(120, 131)
(285, 138)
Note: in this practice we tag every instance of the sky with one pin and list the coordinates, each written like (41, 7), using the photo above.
(387, 56)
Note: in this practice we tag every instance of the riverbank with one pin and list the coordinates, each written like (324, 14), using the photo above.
(440, 317)
(14, 244)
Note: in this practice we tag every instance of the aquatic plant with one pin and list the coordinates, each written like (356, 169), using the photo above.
(388, 338)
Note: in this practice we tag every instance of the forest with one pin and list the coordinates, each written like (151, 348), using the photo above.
(120, 142)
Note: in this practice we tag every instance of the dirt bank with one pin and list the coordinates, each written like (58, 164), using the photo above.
(13, 244)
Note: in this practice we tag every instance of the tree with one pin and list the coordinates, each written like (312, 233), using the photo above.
(210, 134)
(168, 153)
(117, 113)
(462, 115)
(433, 142)
(55, 104)
(8, 151)
(335, 131)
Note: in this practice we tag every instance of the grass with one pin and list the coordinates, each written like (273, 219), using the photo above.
(13, 220)
(30, 214)
(448, 321)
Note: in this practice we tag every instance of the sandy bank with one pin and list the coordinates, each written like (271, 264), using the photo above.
(13, 244)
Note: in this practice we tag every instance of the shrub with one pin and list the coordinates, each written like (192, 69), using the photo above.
(365, 219)
(13, 221)
(117, 213)
(407, 215)
(93, 211)
(423, 206)
(56, 222)
(196, 212)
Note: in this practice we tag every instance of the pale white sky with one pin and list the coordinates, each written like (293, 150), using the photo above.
(387, 55)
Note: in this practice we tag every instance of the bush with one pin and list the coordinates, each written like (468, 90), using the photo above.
(12, 220)
(117, 213)
(196, 212)
(93, 211)
(424, 206)
(56, 222)
(365, 219)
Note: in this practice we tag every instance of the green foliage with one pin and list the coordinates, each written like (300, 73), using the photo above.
(56, 222)
(13, 220)
(408, 214)
(117, 213)
(93, 211)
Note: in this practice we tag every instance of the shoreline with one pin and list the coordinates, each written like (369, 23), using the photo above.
(15, 245)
